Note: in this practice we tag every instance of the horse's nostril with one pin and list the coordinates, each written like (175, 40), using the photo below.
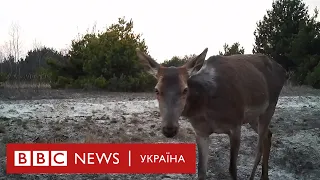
(169, 131)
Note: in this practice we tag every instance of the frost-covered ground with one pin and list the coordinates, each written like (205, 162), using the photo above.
(123, 117)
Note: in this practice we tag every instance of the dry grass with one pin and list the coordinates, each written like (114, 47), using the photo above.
(291, 89)
(23, 85)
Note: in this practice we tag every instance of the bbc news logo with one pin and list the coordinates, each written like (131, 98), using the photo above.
(40, 158)
(101, 158)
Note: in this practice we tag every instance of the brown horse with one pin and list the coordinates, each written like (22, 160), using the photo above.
(219, 95)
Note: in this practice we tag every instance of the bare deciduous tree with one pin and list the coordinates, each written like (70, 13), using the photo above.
(14, 33)
(37, 47)
(13, 47)
(1, 60)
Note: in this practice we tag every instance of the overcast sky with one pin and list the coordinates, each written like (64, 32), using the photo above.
(170, 27)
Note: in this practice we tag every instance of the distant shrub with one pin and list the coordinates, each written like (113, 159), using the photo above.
(106, 60)
(313, 78)
(100, 82)
(62, 82)
(3, 77)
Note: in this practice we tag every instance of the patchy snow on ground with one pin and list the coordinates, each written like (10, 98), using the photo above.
(97, 108)
(298, 102)
(70, 108)
(295, 152)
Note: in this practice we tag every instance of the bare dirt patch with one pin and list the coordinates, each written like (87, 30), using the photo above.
(290, 90)
(87, 117)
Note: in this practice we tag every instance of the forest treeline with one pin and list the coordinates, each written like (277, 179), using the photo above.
(107, 60)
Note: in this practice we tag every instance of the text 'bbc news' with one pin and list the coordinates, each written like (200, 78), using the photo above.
(101, 158)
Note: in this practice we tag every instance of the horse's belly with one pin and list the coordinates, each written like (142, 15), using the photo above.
(251, 113)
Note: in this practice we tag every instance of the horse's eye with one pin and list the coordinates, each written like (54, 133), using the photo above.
(185, 91)
(156, 91)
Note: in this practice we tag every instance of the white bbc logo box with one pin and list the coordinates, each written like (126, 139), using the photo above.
(40, 158)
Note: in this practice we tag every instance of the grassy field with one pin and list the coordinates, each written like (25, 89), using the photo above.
(29, 114)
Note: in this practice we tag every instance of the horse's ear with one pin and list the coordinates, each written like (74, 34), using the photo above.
(195, 63)
(148, 63)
